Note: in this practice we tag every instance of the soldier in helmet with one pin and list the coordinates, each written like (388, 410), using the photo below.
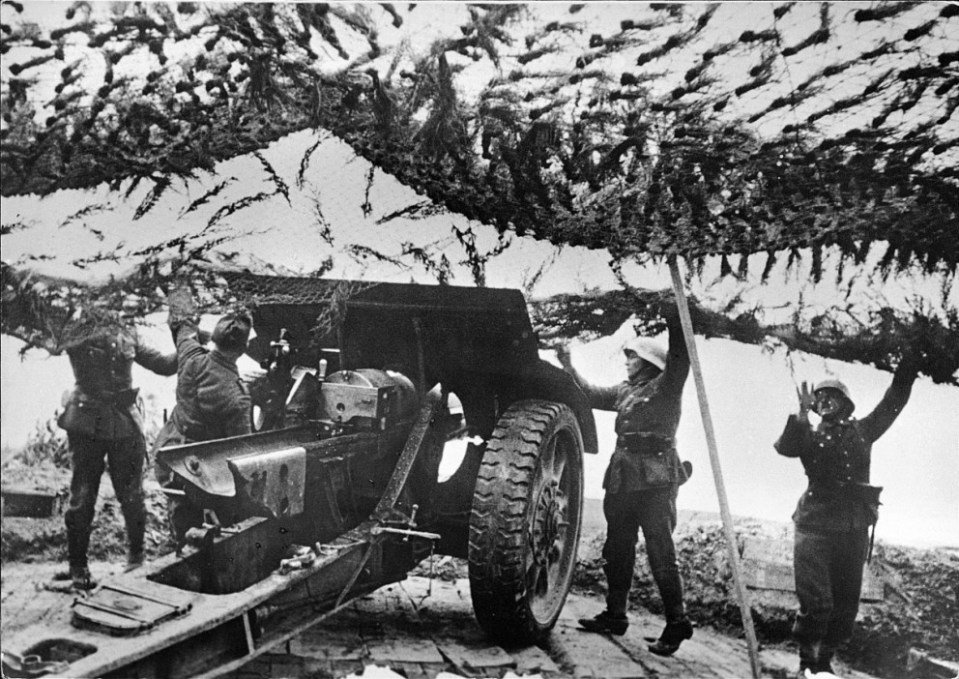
(212, 401)
(835, 512)
(642, 479)
(103, 418)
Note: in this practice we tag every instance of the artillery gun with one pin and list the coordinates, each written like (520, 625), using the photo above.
(339, 492)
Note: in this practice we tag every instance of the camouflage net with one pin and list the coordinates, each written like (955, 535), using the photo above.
(664, 134)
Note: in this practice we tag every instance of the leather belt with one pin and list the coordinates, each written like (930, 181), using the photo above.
(645, 442)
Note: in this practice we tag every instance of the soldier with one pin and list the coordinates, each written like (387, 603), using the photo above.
(212, 401)
(642, 480)
(835, 512)
(103, 418)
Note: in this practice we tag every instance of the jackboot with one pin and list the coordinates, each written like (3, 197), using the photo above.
(808, 658)
(673, 635)
(78, 575)
(824, 661)
(135, 559)
(78, 540)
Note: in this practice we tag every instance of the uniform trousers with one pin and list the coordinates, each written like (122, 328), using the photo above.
(653, 510)
(828, 569)
(90, 456)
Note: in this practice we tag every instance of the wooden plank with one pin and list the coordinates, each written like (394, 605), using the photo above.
(533, 660)
(416, 670)
(23, 501)
(596, 655)
(332, 643)
(768, 565)
(474, 657)
(641, 624)
(344, 668)
(399, 650)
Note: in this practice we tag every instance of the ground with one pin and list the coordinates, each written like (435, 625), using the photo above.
(920, 608)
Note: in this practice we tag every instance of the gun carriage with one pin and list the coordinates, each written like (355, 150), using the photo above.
(339, 492)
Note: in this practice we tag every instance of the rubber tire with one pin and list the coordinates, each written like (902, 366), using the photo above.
(508, 516)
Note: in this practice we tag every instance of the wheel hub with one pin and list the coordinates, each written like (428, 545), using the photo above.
(550, 518)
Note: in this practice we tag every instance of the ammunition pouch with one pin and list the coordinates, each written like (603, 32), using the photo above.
(80, 414)
(656, 470)
(657, 466)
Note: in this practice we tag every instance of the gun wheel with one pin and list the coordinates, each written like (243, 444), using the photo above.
(525, 521)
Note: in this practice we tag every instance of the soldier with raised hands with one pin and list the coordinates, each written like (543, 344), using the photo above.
(212, 401)
(834, 514)
(643, 478)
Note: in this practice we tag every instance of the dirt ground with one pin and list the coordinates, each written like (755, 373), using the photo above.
(920, 609)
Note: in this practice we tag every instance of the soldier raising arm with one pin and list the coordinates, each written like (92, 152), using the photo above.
(212, 402)
(833, 516)
(643, 478)
(103, 419)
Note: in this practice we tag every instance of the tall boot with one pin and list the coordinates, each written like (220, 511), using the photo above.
(808, 657)
(135, 551)
(824, 662)
(77, 542)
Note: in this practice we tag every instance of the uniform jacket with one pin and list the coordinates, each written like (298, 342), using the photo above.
(104, 403)
(647, 416)
(211, 400)
(836, 457)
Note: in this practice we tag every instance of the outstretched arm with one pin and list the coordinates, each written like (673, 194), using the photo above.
(677, 364)
(600, 398)
(897, 395)
(155, 360)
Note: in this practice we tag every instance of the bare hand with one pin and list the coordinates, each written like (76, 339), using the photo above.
(806, 400)
(182, 305)
(563, 355)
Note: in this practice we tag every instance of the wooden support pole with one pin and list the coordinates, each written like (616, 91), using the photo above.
(731, 545)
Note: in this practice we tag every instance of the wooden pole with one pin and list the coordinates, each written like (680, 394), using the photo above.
(741, 594)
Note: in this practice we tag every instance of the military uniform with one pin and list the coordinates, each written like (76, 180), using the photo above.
(643, 477)
(833, 517)
(104, 423)
(211, 400)
(212, 403)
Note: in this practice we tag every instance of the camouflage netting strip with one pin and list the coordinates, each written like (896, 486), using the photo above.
(43, 313)
(879, 339)
(55, 313)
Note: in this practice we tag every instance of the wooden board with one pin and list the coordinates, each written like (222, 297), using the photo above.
(30, 502)
(768, 565)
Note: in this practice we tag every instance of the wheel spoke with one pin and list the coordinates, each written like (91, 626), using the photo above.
(559, 463)
(548, 461)
(537, 579)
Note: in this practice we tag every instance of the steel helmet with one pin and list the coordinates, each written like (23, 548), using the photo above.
(648, 350)
(841, 388)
